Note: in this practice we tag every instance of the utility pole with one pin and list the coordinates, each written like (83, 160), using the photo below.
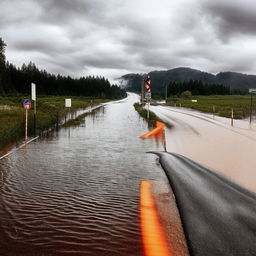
(166, 85)
(251, 110)
(142, 90)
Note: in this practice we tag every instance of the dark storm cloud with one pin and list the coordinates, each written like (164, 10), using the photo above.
(114, 37)
(64, 11)
(232, 17)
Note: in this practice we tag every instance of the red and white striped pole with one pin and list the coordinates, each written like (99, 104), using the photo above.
(148, 92)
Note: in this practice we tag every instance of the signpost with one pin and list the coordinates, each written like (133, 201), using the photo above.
(33, 97)
(27, 106)
(68, 105)
(148, 92)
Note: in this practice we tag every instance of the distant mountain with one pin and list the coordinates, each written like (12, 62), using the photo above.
(161, 78)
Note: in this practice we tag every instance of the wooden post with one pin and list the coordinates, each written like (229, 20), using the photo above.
(164, 141)
(232, 117)
(213, 111)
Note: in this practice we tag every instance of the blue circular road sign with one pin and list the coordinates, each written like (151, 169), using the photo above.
(27, 104)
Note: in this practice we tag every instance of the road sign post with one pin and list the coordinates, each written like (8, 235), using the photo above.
(68, 105)
(148, 92)
(27, 106)
(33, 96)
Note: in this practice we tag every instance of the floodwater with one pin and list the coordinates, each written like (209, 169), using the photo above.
(76, 192)
(213, 142)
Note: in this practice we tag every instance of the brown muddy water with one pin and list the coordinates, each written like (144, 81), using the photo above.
(77, 191)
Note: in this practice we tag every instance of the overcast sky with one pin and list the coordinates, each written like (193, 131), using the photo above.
(115, 37)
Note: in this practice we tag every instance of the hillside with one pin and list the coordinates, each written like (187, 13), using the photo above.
(161, 78)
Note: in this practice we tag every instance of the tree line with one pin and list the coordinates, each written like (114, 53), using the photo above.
(15, 81)
(197, 88)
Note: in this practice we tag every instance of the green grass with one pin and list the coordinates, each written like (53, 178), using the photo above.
(50, 111)
(143, 113)
(223, 104)
(76, 121)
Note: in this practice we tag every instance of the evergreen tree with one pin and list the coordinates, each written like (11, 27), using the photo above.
(197, 88)
(2, 64)
(18, 81)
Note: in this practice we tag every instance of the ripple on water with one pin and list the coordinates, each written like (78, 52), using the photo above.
(77, 195)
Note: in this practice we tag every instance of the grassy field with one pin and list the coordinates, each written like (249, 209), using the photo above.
(222, 104)
(50, 111)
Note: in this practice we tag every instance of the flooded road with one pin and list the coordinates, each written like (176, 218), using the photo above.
(77, 191)
(213, 142)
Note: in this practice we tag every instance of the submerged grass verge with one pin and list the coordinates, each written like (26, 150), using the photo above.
(50, 113)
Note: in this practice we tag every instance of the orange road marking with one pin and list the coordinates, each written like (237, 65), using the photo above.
(159, 128)
(153, 236)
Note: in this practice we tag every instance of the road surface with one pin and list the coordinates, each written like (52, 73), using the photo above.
(213, 142)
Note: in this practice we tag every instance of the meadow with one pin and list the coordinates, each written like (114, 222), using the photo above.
(221, 105)
(49, 113)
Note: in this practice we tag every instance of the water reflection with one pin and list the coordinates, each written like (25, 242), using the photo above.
(78, 194)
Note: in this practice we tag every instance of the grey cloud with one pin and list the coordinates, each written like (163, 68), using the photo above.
(61, 10)
(80, 37)
(231, 18)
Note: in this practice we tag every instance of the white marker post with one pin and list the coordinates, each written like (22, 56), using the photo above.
(33, 97)
(27, 106)
(68, 105)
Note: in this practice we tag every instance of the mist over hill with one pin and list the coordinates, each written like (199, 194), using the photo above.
(162, 78)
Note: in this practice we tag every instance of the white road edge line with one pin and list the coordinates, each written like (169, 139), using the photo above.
(21, 146)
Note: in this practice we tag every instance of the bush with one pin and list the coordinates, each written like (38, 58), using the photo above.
(186, 95)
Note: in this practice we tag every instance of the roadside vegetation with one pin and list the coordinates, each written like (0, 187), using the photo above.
(144, 113)
(50, 112)
(15, 84)
(219, 104)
